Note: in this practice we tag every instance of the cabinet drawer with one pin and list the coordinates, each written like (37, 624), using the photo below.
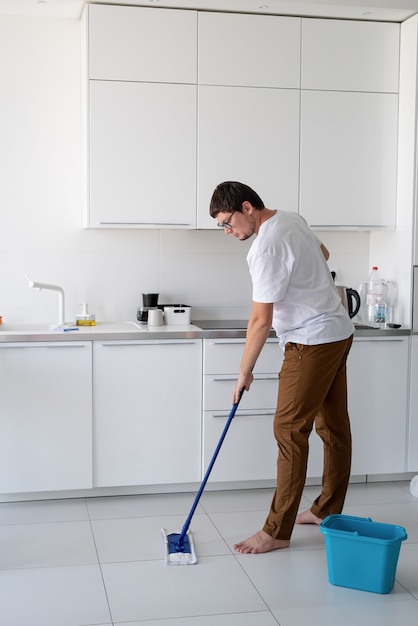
(218, 392)
(249, 451)
(223, 356)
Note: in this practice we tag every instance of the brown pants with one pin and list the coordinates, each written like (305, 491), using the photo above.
(312, 389)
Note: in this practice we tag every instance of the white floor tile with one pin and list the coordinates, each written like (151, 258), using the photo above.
(235, 527)
(299, 578)
(260, 618)
(53, 596)
(139, 539)
(43, 511)
(50, 553)
(239, 500)
(140, 506)
(242, 500)
(377, 493)
(407, 570)
(372, 614)
(46, 545)
(153, 590)
(369, 493)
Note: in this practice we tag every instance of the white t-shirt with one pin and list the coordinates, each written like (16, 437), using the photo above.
(288, 269)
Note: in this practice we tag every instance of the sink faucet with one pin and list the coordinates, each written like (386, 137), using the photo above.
(61, 305)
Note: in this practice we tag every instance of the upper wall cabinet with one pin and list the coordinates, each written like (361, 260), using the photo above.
(250, 135)
(177, 101)
(248, 107)
(140, 118)
(249, 50)
(348, 156)
(349, 121)
(142, 44)
(350, 56)
(142, 155)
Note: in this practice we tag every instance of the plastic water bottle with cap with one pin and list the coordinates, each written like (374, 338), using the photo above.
(375, 304)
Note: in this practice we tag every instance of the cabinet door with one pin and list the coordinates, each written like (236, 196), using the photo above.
(142, 155)
(348, 159)
(250, 135)
(45, 417)
(249, 451)
(147, 408)
(350, 55)
(377, 402)
(142, 44)
(249, 50)
(413, 409)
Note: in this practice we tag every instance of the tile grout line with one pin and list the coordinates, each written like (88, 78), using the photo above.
(99, 563)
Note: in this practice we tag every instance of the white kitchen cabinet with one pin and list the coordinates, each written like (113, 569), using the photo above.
(141, 44)
(348, 157)
(147, 408)
(249, 451)
(140, 117)
(413, 409)
(142, 155)
(377, 402)
(195, 98)
(248, 50)
(45, 416)
(349, 55)
(248, 107)
(250, 135)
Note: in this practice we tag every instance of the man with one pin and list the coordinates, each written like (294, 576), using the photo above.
(293, 291)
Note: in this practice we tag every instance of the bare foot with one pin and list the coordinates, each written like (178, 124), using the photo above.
(260, 542)
(307, 517)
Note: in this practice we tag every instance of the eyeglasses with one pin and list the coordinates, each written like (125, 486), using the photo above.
(228, 223)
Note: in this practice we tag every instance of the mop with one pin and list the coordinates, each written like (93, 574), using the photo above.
(179, 547)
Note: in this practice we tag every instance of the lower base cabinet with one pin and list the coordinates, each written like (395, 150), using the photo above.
(249, 451)
(377, 402)
(146, 416)
(45, 416)
(413, 409)
(147, 424)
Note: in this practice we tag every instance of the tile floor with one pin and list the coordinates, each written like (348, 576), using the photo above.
(100, 561)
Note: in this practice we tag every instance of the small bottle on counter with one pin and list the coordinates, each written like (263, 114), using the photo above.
(85, 319)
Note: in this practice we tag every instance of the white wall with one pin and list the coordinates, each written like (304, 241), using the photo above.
(40, 206)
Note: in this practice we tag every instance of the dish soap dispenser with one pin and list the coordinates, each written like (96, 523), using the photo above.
(85, 319)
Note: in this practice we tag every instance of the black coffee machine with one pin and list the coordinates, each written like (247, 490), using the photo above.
(149, 301)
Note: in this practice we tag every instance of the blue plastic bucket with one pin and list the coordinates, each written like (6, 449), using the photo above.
(362, 554)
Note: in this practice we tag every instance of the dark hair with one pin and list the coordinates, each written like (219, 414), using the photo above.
(230, 195)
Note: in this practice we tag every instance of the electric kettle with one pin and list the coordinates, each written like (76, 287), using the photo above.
(350, 299)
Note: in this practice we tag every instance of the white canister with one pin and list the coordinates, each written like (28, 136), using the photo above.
(177, 314)
(155, 317)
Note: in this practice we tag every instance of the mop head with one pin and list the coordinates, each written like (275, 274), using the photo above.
(179, 554)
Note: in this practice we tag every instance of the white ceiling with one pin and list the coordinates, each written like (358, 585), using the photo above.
(386, 10)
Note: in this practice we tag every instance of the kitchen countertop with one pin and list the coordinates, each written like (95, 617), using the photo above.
(129, 331)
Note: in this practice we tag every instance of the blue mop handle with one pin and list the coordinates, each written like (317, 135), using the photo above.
(183, 533)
